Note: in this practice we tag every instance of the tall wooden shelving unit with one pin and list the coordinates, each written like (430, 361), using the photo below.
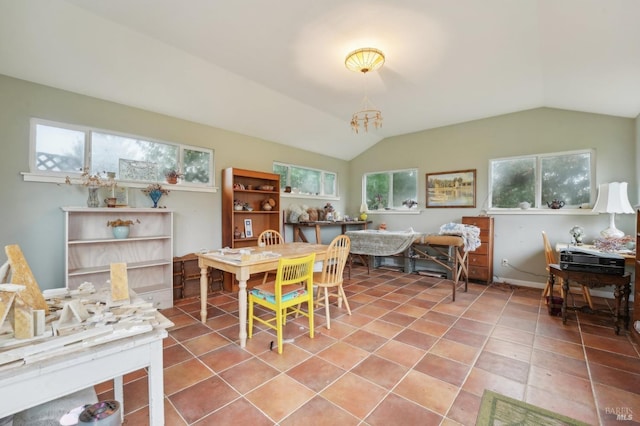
(247, 186)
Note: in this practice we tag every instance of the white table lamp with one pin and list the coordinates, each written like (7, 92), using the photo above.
(612, 199)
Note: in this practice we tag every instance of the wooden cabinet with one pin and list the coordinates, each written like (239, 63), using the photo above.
(636, 285)
(253, 189)
(90, 248)
(481, 260)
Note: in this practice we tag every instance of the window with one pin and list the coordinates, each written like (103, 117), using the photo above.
(64, 149)
(538, 179)
(306, 181)
(390, 189)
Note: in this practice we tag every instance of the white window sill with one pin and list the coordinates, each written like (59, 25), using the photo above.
(394, 211)
(560, 212)
(309, 196)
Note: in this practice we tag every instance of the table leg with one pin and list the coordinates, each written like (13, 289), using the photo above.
(618, 294)
(156, 384)
(627, 292)
(118, 394)
(318, 237)
(565, 287)
(242, 277)
(204, 281)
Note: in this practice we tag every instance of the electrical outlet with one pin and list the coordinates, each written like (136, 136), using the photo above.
(505, 263)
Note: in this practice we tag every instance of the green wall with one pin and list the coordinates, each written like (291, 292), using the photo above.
(30, 211)
(471, 145)
(32, 217)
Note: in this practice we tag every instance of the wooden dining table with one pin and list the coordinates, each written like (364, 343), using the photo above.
(242, 264)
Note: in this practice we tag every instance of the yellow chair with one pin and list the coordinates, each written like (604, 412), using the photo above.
(550, 258)
(269, 237)
(293, 286)
(331, 276)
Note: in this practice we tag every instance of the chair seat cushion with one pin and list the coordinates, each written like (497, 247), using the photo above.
(267, 292)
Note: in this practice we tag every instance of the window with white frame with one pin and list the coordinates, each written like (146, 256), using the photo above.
(395, 189)
(59, 149)
(538, 179)
(307, 181)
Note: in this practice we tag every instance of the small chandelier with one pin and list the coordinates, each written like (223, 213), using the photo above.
(365, 60)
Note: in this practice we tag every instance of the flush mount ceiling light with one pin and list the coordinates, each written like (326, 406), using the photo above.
(363, 61)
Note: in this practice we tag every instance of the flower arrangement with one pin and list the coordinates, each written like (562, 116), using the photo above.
(155, 187)
(120, 222)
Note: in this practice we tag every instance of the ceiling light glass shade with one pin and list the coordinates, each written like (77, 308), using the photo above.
(364, 60)
(612, 199)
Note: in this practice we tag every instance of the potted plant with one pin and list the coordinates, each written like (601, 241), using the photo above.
(173, 175)
(120, 228)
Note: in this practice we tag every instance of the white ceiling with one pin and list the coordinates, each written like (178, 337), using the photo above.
(275, 69)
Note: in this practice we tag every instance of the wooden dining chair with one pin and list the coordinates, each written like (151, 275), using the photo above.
(329, 280)
(269, 237)
(292, 288)
(550, 257)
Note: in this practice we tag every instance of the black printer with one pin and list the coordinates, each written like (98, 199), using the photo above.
(585, 260)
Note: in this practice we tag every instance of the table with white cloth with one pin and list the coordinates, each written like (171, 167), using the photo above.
(369, 244)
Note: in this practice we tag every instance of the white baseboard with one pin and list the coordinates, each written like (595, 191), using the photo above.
(605, 294)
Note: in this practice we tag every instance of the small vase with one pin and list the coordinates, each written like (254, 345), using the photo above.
(120, 232)
(155, 197)
(93, 200)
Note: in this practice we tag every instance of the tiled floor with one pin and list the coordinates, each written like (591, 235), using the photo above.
(408, 355)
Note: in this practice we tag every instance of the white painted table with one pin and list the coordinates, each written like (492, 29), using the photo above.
(27, 385)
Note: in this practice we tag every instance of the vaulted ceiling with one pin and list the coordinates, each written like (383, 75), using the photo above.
(275, 70)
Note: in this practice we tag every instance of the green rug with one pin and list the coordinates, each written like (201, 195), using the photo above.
(496, 409)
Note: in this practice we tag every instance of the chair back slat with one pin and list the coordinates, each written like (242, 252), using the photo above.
(270, 237)
(336, 259)
(297, 270)
(549, 254)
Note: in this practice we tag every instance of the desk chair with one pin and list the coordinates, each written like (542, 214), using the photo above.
(331, 276)
(269, 237)
(292, 287)
(550, 258)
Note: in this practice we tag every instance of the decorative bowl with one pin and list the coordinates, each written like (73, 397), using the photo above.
(267, 187)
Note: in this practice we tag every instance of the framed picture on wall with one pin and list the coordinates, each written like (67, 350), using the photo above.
(248, 228)
(451, 189)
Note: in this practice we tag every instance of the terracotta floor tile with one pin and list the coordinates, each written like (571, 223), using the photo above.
(248, 375)
(380, 371)
(443, 368)
(343, 355)
(183, 375)
(315, 373)
(320, 412)
(503, 366)
(365, 340)
(509, 349)
(238, 412)
(354, 394)
(456, 351)
(394, 410)
(195, 402)
(407, 355)
(280, 396)
(400, 353)
(427, 391)
(464, 409)
(205, 343)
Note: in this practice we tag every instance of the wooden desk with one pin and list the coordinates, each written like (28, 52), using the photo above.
(298, 235)
(27, 384)
(593, 280)
(244, 269)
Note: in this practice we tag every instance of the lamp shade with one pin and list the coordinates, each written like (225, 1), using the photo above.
(612, 198)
